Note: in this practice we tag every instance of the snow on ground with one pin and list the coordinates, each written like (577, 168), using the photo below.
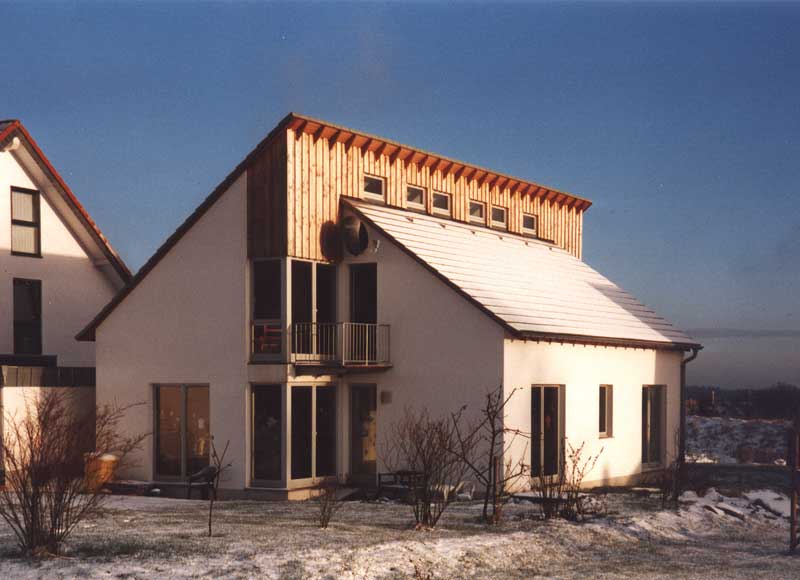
(727, 440)
(141, 537)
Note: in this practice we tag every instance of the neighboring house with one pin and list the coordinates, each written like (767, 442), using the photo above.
(57, 270)
(335, 278)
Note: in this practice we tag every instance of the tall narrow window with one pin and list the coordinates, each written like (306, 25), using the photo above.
(267, 300)
(182, 430)
(415, 197)
(27, 316)
(529, 224)
(652, 424)
(499, 218)
(477, 212)
(606, 404)
(374, 187)
(25, 219)
(441, 203)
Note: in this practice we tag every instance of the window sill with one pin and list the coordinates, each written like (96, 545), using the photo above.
(25, 254)
(605, 436)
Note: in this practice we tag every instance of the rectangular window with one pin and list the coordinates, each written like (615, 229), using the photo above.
(606, 405)
(374, 187)
(441, 203)
(529, 224)
(415, 197)
(477, 212)
(182, 430)
(27, 316)
(267, 432)
(267, 301)
(25, 220)
(499, 217)
(652, 424)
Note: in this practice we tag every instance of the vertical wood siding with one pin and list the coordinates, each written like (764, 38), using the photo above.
(320, 170)
(267, 219)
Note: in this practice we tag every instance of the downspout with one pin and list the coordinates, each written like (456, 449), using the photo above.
(682, 441)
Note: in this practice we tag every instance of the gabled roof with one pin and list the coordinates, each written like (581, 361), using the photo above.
(532, 288)
(11, 128)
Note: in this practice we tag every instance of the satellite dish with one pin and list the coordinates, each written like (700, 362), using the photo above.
(354, 235)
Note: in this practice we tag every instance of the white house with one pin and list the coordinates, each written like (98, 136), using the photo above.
(335, 278)
(57, 270)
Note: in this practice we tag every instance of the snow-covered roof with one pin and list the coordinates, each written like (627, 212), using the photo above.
(530, 286)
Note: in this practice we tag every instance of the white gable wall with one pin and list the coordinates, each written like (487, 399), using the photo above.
(186, 323)
(73, 289)
(582, 369)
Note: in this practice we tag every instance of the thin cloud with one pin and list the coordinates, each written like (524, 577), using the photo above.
(742, 333)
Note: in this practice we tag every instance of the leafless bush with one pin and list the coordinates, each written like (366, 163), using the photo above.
(328, 503)
(483, 445)
(218, 467)
(422, 446)
(560, 492)
(46, 493)
(671, 481)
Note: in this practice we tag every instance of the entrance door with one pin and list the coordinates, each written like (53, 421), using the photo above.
(363, 433)
(547, 429)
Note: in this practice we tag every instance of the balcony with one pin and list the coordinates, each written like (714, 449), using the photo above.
(325, 345)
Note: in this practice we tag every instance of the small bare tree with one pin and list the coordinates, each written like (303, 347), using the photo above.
(46, 493)
(328, 503)
(422, 446)
(218, 468)
(560, 492)
(484, 445)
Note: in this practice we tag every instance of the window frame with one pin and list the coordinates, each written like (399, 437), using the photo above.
(439, 211)
(36, 223)
(374, 196)
(496, 224)
(608, 411)
(662, 412)
(414, 205)
(268, 323)
(534, 233)
(474, 219)
(184, 390)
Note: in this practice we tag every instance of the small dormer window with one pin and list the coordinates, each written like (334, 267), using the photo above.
(529, 224)
(374, 187)
(415, 197)
(441, 203)
(25, 221)
(477, 212)
(499, 218)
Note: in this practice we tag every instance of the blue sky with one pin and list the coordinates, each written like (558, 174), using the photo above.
(680, 121)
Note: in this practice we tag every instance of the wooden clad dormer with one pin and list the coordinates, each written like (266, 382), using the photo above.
(296, 180)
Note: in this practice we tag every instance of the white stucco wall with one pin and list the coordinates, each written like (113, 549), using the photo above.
(582, 369)
(445, 353)
(73, 289)
(186, 323)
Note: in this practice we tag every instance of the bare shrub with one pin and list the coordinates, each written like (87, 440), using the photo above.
(46, 493)
(561, 492)
(218, 468)
(328, 503)
(483, 444)
(422, 446)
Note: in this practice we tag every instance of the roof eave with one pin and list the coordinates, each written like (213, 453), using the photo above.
(607, 341)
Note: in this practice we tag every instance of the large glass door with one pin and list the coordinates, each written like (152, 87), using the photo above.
(313, 431)
(547, 429)
(182, 430)
(267, 432)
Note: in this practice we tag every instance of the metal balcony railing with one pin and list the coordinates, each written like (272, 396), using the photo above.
(340, 343)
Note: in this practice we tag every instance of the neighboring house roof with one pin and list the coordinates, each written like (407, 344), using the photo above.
(532, 288)
(14, 128)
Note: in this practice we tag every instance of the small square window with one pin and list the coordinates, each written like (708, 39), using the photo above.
(606, 405)
(415, 197)
(441, 203)
(529, 224)
(499, 217)
(374, 187)
(477, 212)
